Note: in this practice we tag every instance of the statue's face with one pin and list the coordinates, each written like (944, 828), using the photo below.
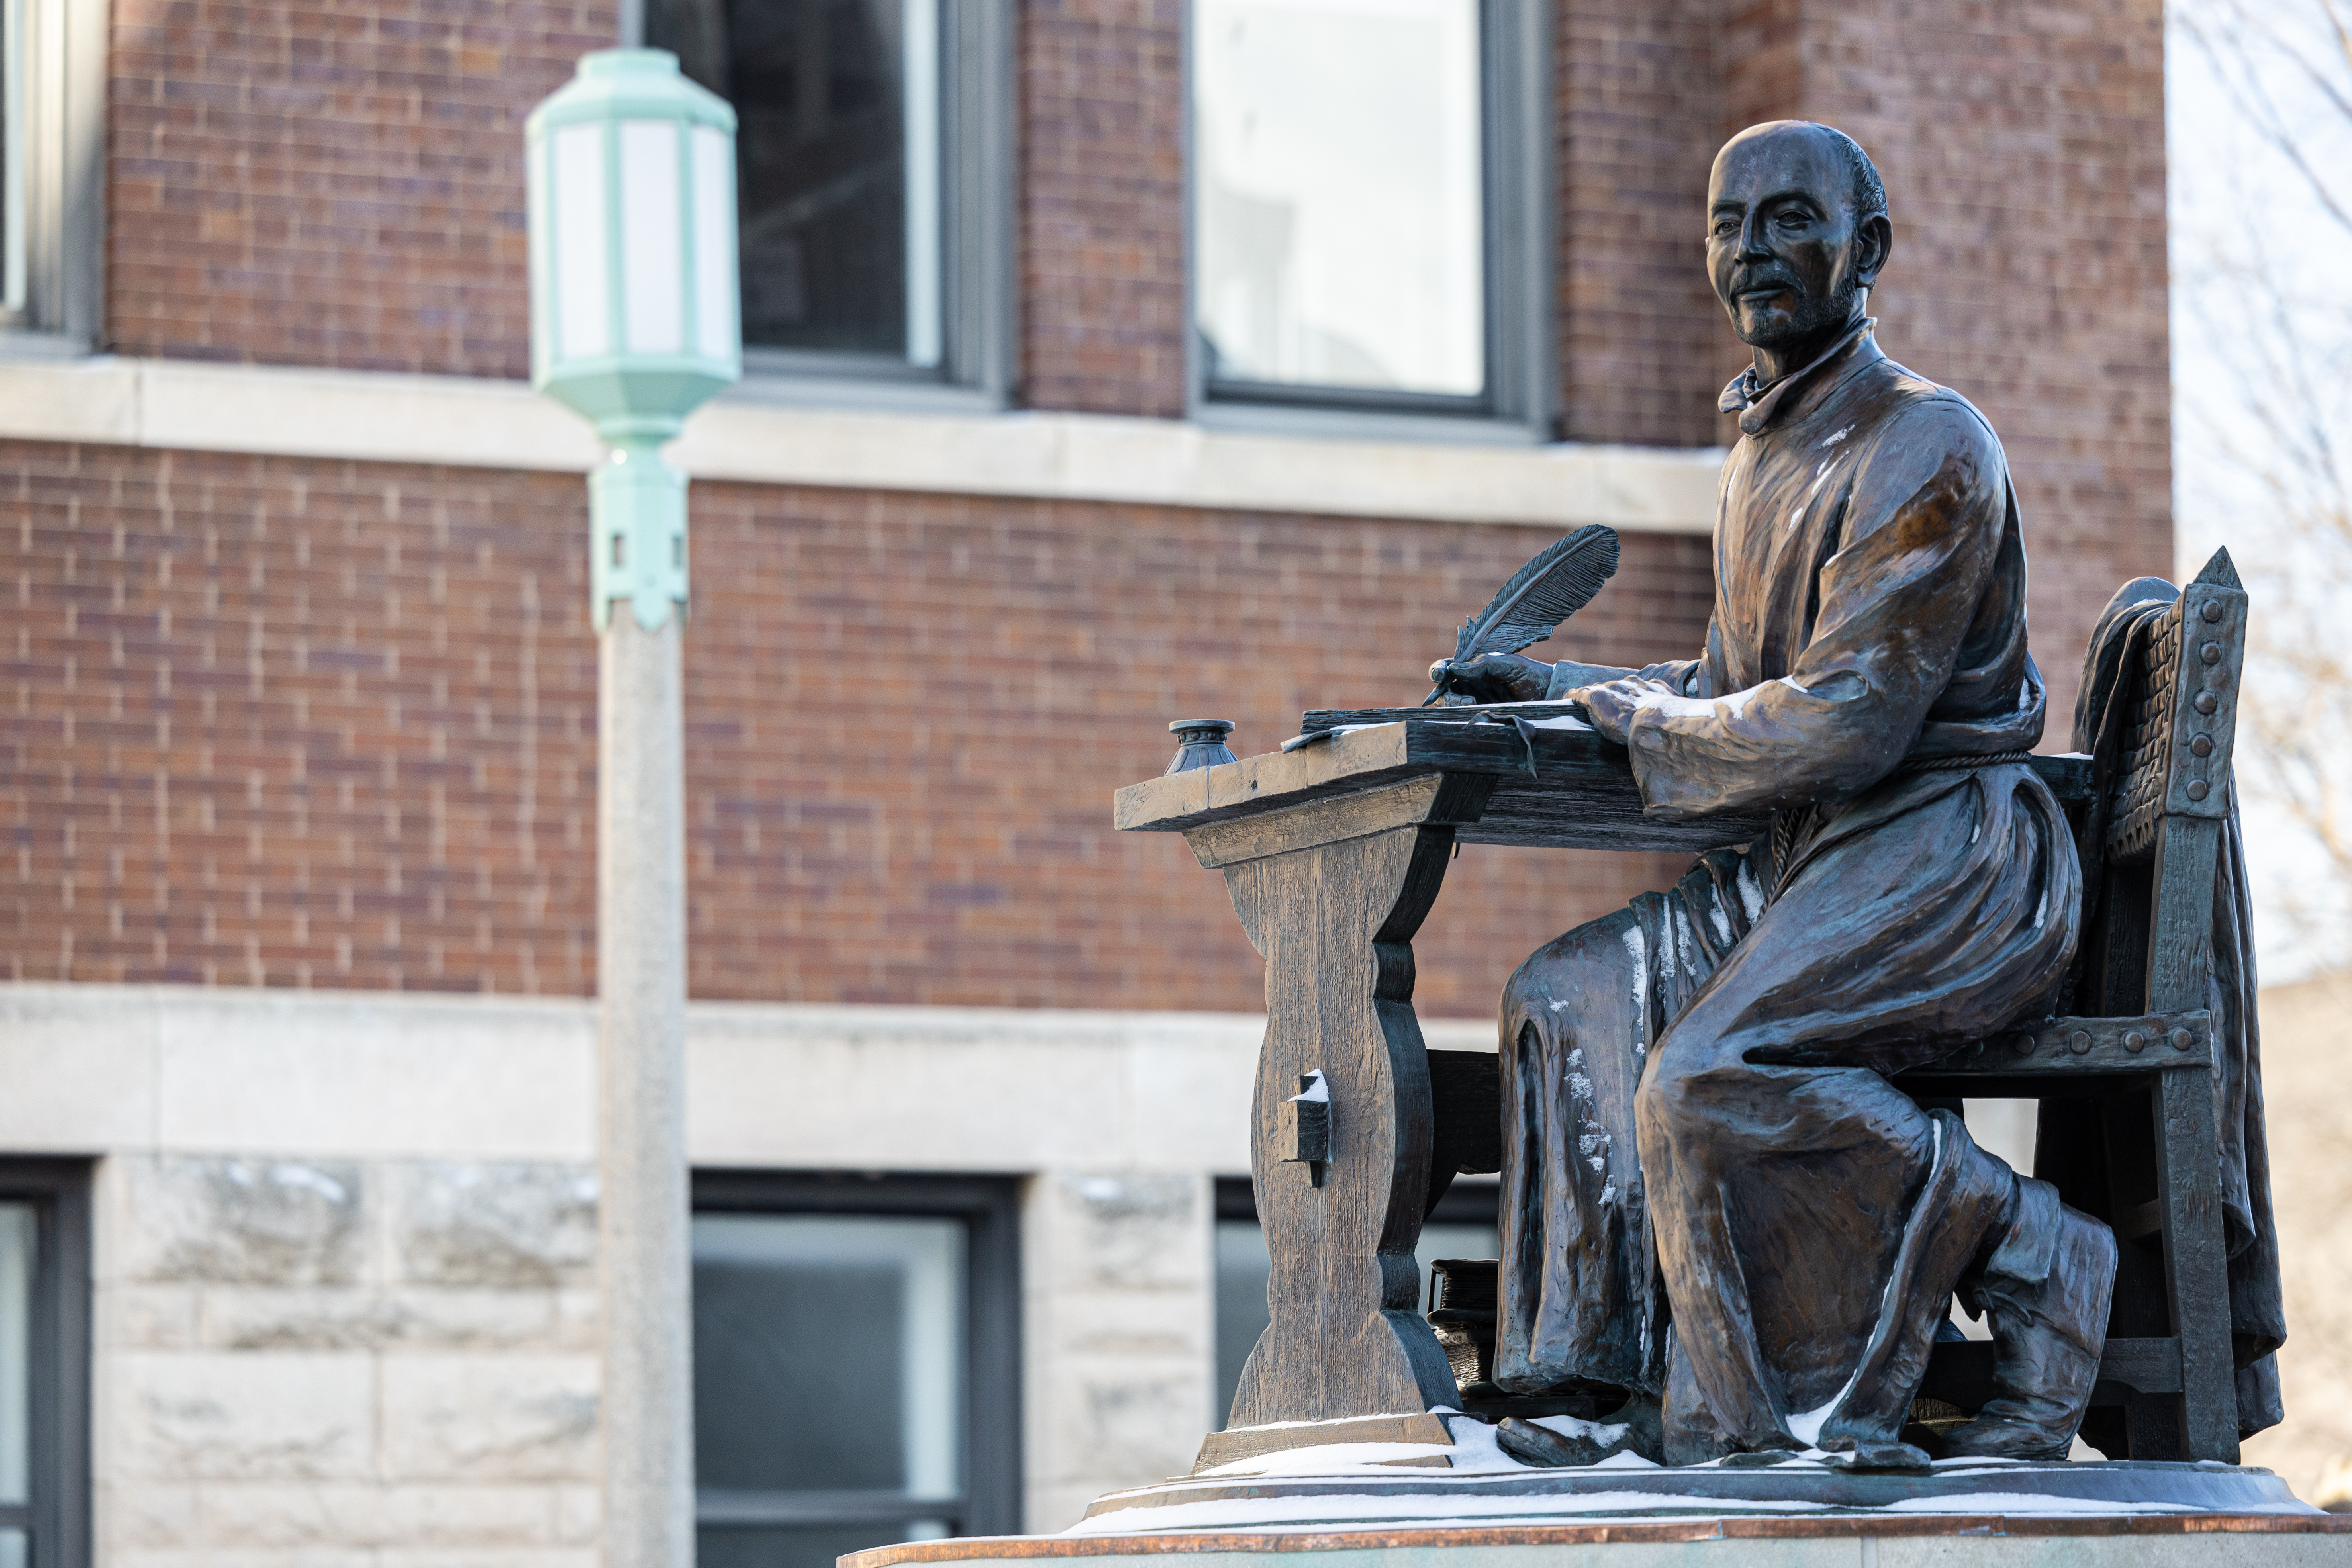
(1782, 246)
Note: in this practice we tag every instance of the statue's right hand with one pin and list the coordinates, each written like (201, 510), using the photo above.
(1495, 677)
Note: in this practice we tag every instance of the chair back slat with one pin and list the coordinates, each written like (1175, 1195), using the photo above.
(2184, 714)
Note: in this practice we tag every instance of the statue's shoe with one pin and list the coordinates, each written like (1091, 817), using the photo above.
(1758, 1459)
(1559, 1440)
(2047, 1287)
(1858, 1454)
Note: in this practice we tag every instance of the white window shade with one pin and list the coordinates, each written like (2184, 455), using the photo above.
(1339, 181)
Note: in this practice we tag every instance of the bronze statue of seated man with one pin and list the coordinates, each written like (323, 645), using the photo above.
(1713, 1196)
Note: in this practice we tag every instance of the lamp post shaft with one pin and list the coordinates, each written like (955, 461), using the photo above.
(643, 1253)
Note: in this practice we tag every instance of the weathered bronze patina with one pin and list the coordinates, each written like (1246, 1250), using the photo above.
(1760, 1185)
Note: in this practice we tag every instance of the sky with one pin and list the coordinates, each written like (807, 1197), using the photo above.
(2262, 351)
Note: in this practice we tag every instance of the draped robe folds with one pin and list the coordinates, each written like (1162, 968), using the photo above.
(1699, 1125)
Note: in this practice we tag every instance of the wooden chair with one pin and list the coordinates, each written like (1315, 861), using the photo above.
(2138, 1065)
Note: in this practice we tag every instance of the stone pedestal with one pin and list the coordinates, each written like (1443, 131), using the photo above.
(1980, 1540)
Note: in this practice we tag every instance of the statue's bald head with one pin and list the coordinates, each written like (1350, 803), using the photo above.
(1797, 230)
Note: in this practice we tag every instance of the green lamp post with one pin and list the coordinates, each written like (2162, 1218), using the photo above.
(631, 172)
(631, 192)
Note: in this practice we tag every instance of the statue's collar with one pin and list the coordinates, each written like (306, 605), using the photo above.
(1758, 403)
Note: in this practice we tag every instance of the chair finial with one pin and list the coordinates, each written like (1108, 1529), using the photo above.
(2220, 572)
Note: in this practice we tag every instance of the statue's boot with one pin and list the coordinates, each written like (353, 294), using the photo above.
(1632, 1429)
(2047, 1286)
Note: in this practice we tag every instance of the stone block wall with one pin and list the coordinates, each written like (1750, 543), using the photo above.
(340, 1360)
(387, 1355)
(1121, 1277)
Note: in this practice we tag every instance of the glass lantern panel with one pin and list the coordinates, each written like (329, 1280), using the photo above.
(653, 234)
(582, 286)
(838, 149)
(714, 243)
(1339, 206)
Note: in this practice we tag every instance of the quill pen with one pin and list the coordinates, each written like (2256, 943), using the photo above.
(1545, 591)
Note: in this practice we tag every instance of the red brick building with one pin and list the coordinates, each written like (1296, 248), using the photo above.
(300, 688)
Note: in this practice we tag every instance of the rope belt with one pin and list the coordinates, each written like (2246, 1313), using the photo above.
(1791, 825)
(1945, 764)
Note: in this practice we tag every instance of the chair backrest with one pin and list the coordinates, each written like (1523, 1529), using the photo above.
(2183, 716)
(2146, 1162)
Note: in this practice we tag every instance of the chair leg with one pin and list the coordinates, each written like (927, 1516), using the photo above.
(2187, 1148)
(2196, 1264)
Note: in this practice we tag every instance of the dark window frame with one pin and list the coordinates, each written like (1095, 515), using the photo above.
(1518, 407)
(989, 1206)
(977, 263)
(58, 1514)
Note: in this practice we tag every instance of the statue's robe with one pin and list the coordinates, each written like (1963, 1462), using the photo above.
(1698, 1127)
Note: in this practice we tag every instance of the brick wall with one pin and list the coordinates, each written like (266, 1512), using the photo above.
(1102, 219)
(327, 184)
(296, 723)
(290, 722)
(1642, 339)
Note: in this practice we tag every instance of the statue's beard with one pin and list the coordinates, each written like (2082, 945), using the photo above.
(1812, 315)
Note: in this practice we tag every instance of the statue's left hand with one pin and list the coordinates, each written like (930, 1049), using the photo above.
(1611, 703)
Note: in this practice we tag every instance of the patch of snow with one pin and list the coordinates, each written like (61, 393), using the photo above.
(1721, 919)
(1627, 1460)
(2013, 1503)
(1327, 1458)
(1406, 1511)
(1637, 949)
(1806, 1427)
(1565, 721)
(1593, 1431)
(1751, 893)
(1316, 1093)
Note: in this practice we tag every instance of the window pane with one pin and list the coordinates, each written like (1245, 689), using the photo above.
(828, 1354)
(797, 1546)
(13, 138)
(1340, 217)
(1242, 1271)
(837, 158)
(16, 1548)
(19, 1237)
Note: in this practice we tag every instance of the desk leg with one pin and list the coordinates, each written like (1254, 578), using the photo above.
(1334, 917)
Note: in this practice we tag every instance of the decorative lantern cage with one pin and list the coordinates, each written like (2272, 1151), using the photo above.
(634, 324)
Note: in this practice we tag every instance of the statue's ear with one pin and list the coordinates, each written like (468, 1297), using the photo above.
(1872, 247)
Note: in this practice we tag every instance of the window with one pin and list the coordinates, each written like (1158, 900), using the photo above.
(1467, 1223)
(873, 182)
(44, 1364)
(856, 1365)
(52, 128)
(1368, 232)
